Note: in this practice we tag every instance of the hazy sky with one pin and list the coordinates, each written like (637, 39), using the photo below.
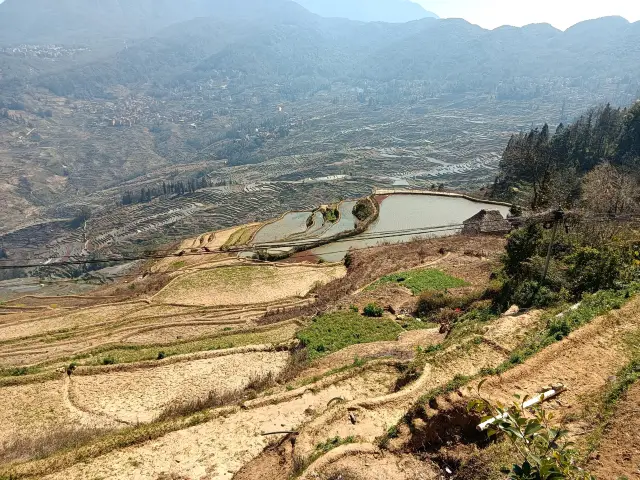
(559, 13)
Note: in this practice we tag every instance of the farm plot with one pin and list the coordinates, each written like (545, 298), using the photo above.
(219, 448)
(421, 280)
(29, 411)
(247, 285)
(140, 395)
(67, 321)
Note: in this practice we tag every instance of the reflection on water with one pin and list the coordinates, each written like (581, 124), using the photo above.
(347, 220)
(291, 224)
(408, 212)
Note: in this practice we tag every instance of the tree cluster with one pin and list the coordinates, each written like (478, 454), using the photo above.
(602, 148)
(167, 188)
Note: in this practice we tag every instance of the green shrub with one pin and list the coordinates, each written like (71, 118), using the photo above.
(531, 294)
(108, 361)
(354, 308)
(373, 310)
(331, 215)
(591, 269)
(431, 302)
(161, 355)
(521, 246)
(543, 452)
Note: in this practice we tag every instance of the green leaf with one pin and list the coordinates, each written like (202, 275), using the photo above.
(481, 384)
(532, 428)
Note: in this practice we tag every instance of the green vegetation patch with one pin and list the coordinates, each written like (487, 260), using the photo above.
(419, 281)
(335, 331)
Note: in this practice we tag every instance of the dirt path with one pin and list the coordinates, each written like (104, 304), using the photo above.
(218, 449)
(380, 466)
(618, 455)
(583, 362)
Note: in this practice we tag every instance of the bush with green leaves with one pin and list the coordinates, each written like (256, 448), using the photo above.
(522, 244)
(542, 450)
(373, 310)
(592, 269)
(531, 294)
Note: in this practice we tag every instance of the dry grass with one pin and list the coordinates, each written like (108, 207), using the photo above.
(54, 440)
(296, 363)
(229, 285)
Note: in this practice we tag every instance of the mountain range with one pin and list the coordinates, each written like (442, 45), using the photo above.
(101, 21)
(395, 11)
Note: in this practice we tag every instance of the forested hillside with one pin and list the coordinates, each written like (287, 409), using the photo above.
(596, 159)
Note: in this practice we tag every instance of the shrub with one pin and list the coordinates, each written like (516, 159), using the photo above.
(431, 302)
(348, 259)
(448, 316)
(161, 355)
(108, 361)
(373, 310)
(531, 294)
(521, 246)
(543, 452)
(591, 269)
(331, 215)
(354, 308)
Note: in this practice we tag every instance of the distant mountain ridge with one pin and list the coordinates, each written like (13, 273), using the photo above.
(89, 21)
(393, 11)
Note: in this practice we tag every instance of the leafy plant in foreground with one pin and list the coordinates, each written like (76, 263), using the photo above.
(543, 453)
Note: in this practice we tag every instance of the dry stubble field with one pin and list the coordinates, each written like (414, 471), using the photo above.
(183, 382)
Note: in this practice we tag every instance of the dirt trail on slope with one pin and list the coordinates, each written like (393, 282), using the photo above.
(583, 362)
(219, 448)
(618, 455)
(381, 466)
(139, 396)
(374, 418)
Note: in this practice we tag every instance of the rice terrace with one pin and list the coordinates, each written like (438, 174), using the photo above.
(314, 240)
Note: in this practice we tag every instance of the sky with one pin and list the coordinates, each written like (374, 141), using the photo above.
(560, 13)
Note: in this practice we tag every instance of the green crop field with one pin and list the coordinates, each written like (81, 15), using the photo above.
(335, 331)
(419, 281)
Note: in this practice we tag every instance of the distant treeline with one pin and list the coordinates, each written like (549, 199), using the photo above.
(170, 188)
(549, 168)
